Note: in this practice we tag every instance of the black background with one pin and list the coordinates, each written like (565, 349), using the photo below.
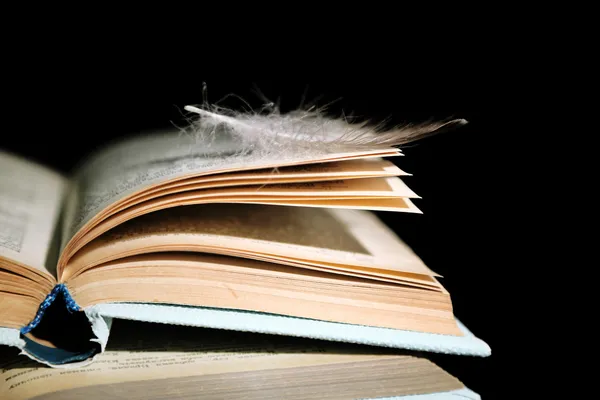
(58, 114)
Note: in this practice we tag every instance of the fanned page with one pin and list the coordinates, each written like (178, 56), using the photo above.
(30, 204)
(124, 171)
(329, 239)
(131, 173)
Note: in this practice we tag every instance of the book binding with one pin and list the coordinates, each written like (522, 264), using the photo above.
(100, 318)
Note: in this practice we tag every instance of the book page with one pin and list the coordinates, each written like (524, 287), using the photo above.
(351, 169)
(390, 204)
(30, 205)
(366, 188)
(380, 187)
(346, 238)
(140, 162)
(145, 361)
(235, 283)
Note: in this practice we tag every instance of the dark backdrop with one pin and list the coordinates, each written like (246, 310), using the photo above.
(58, 118)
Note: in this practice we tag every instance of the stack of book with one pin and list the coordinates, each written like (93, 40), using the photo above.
(238, 223)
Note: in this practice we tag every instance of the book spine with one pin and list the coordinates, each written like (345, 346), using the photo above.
(60, 289)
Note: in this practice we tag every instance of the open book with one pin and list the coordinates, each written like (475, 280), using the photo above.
(255, 224)
(139, 363)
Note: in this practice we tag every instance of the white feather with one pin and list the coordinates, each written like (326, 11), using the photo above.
(301, 131)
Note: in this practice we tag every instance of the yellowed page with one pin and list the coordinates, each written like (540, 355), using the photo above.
(17, 310)
(406, 278)
(397, 204)
(347, 187)
(360, 168)
(237, 283)
(382, 204)
(342, 237)
(217, 364)
(351, 169)
(138, 163)
(30, 203)
(190, 264)
(391, 187)
(366, 187)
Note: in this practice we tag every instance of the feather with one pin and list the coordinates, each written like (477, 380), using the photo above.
(302, 131)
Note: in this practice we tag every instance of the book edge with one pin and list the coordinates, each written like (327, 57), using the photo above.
(246, 321)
